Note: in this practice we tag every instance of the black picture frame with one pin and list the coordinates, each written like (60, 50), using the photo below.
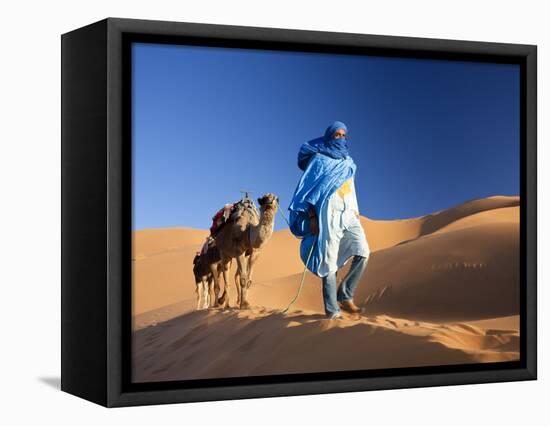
(96, 211)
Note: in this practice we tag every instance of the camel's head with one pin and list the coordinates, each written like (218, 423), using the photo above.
(269, 200)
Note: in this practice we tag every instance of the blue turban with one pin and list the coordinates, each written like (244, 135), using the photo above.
(323, 175)
(328, 145)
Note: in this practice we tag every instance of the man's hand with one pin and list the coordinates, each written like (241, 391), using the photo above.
(314, 225)
(357, 214)
(313, 222)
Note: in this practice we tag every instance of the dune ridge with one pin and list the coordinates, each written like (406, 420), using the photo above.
(260, 341)
(443, 287)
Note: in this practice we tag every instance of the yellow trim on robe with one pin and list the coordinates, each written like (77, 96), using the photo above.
(345, 188)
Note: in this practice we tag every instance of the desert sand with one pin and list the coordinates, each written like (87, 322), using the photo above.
(438, 289)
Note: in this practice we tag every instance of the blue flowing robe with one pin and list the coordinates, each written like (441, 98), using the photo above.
(345, 237)
(322, 176)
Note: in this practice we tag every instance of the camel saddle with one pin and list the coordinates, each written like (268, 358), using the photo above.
(241, 206)
(230, 214)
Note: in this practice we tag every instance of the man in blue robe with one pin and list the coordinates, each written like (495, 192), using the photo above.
(325, 214)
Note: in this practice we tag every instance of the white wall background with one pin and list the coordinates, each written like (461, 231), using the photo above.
(30, 212)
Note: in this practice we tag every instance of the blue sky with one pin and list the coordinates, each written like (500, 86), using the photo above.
(208, 122)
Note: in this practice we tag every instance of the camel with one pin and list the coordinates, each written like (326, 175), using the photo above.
(203, 281)
(205, 265)
(243, 240)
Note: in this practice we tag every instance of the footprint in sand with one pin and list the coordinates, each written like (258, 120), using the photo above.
(468, 328)
(393, 323)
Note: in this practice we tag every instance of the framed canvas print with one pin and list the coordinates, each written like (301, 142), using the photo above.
(253, 212)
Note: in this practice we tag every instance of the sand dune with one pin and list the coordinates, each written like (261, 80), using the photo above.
(259, 341)
(154, 242)
(388, 233)
(463, 274)
(162, 267)
(438, 289)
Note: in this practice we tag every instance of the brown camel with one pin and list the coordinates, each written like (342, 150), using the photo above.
(205, 265)
(245, 237)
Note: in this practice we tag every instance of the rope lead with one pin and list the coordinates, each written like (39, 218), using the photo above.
(303, 273)
(302, 281)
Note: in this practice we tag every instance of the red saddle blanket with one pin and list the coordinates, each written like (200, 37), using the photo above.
(220, 218)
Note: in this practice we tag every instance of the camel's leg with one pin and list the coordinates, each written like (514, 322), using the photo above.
(212, 294)
(224, 299)
(218, 300)
(217, 289)
(243, 275)
(251, 262)
(198, 290)
(238, 285)
(206, 295)
(225, 269)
